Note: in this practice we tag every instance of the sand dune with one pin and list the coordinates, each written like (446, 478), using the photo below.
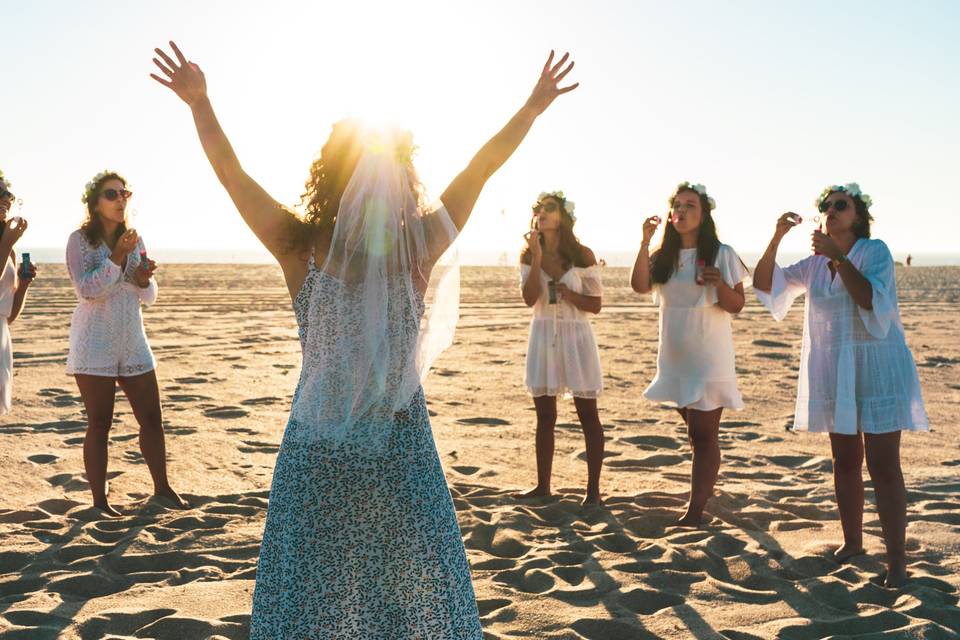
(543, 568)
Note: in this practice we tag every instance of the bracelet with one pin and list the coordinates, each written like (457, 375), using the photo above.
(841, 259)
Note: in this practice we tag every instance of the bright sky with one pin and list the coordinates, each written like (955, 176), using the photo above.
(764, 102)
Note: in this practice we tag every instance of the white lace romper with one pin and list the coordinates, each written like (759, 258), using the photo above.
(106, 334)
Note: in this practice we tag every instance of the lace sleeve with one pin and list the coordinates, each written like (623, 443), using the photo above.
(148, 294)
(93, 279)
(439, 232)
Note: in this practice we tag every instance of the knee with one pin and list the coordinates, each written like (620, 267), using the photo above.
(547, 420)
(151, 421)
(847, 464)
(99, 426)
(702, 440)
(885, 472)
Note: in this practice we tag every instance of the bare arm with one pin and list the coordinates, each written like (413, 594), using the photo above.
(763, 273)
(640, 275)
(460, 197)
(266, 217)
(531, 288)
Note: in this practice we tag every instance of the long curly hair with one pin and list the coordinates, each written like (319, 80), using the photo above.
(330, 174)
(92, 227)
(666, 259)
(571, 250)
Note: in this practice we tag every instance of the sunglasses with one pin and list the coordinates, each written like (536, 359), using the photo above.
(113, 194)
(547, 207)
(838, 205)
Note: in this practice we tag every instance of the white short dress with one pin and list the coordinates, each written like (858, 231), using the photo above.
(106, 333)
(695, 363)
(562, 354)
(856, 370)
(8, 287)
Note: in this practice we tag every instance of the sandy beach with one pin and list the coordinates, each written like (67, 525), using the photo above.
(226, 342)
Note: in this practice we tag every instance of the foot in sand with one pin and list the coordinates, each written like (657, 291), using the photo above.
(690, 519)
(847, 551)
(592, 499)
(896, 576)
(107, 509)
(170, 498)
(536, 492)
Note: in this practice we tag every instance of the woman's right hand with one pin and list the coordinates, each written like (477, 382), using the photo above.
(786, 222)
(125, 244)
(533, 242)
(185, 79)
(649, 228)
(15, 227)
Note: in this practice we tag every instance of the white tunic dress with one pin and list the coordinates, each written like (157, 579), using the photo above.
(562, 354)
(106, 333)
(695, 364)
(856, 371)
(8, 284)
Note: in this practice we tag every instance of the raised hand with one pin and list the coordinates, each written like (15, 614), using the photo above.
(786, 222)
(548, 86)
(145, 272)
(125, 244)
(15, 227)
(824, 245)
(533, 241)
(184, 77)
(649, 228)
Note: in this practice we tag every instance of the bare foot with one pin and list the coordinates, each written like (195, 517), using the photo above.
(107, 509)
(592, 499)
(536, 492)
(896, 577)
(169, 497)
(846, 552)
(690, 520)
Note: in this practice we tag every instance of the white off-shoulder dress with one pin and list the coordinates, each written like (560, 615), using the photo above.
(106, 333)
(856, 371)
(695, 363)
(562, 354)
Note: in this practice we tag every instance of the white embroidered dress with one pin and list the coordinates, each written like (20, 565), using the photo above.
(8, 284)
(106, 333)
(856, 371)
(695, 363)
(562, 354)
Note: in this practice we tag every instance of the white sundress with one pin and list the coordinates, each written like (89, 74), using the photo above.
(562, 354)
(106, 333)
(695, 363)
(8, 287)
(856, 371)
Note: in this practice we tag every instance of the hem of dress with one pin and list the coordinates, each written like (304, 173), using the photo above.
(109, 375)
(563, 391)
(913, 428)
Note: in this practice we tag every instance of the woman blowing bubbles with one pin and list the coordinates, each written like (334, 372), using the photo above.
(857, 381)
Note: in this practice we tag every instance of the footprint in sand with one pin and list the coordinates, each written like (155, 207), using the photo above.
(43, 458)
(600, 629)
(226, 413)
(656, 460)
(256, 446)
(771, 343)
(266, 400)
(483, 421)
(651, 443)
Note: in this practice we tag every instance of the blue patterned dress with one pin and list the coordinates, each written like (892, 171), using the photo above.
(360, 542)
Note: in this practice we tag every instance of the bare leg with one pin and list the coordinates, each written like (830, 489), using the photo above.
(883, 463)
(144, 395)
(97, 393)
(593, 435)
(848, 484)
(703, 430)
(546, 421)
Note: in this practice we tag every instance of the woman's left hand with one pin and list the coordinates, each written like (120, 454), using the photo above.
(712, 277)
(824, 245)
(548, 86)
(145, 272)
(562, 290)
(28, 277)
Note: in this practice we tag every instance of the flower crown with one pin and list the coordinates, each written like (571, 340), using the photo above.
(852, 189)
(568, 205)
(94, 181)
(699, 188)
(4, 182)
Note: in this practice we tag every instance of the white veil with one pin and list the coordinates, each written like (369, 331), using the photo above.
(381, 319)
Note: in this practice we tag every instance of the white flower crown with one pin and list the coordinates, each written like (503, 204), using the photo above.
(699, 188)
(851, 188)
(568, 205)
(94, 181)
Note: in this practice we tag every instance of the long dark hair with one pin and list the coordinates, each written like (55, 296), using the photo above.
(330, 174)
(666, 259)
(571, 251)
(92, 227)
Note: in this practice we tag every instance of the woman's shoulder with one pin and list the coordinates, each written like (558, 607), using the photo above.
(587, 257)
(79, 237)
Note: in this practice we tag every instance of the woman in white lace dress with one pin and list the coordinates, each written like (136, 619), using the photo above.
(13, 289)
(698, 283)
(108, 345)
(560, 279)
(858, 381)
(361, 538)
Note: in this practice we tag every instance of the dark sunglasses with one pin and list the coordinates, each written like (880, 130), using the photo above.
(838, 205)
(548, 207)
(113, 194)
